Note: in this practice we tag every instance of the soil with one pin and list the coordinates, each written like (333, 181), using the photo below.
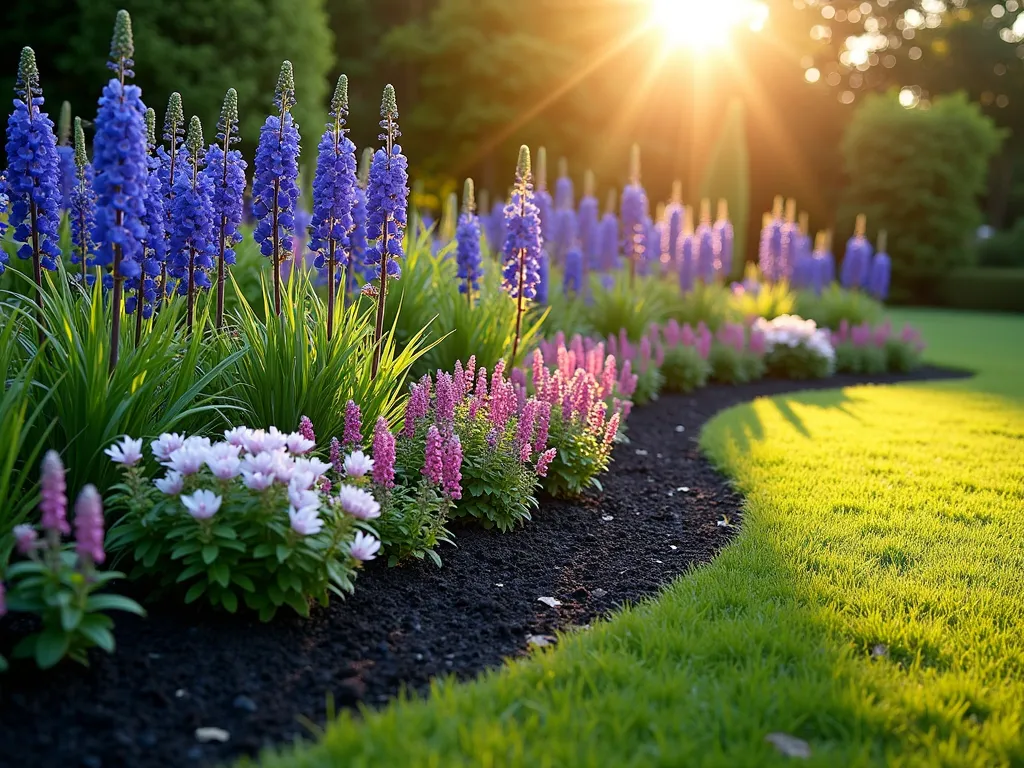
(177, 671)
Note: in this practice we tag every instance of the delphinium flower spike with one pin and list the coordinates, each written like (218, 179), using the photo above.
(881, 269)
(563, 235)
(386, 202)
(725, 237)
(685, 256)
(704, 245)
(523, 244)
(83, 202)
(154, 246)
(170, 162)
(119, 159)
(674, 220)
(275, 190)
(857, 261)
(192, 240)
(334, 197)
(541, 198)
(225, 172)
(789, 244)
(588, 221)
(33, 174)
(467, 254)
(634, 214)
(357, 269)
(770, 246)
(65, 155)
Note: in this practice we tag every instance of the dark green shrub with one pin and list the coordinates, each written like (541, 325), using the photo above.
(917, 173)
(993, 290)
(684, 369)
(1003, 249)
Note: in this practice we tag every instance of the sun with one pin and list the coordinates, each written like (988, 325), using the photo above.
(702, 25)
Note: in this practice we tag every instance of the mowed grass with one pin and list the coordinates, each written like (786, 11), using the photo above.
(873, 605)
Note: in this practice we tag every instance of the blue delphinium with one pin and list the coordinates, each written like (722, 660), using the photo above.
(857, 261)
(170, 160)
(334, 197)
(565, 192)
(154, 246)
(563, 235)
(467, 236)
(541, 198)
(542, 292)
(122, 173)
(608, 244)
(225, 173)
(387, 200)
(588, 221)
(705, 245)
(65, 155)
(33, 174)
(634, 213)
(274, 187)
(825, 263)
(881, 271)
(4, 202)
(686, 256)
(494, 227)
(193, 243)
(674, 221)
(572, 282)
(789, 244)
(524, 243)
(83, 202)
(725, 237)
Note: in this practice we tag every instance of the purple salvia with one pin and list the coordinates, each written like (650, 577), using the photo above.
(54, 503)
(445, 398)
(353, 434)
(540, 440)
(544, 462)
(524, 432)
(452, 473)
(383, 455)
(433, 462)
(306, 429)
(336, 460)
(89, 525)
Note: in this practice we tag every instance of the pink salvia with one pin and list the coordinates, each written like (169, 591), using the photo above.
(577, 348)
(672, 332)
(458, 382)
(612, 427)
(453, 468)
(540, 440)
(704, 346)
(524, 431)
(613, 346)
(481, 384)
(844, 329)
(687, 337)
(445, 403)
(757, 342)
(383, 455)
(595, 422)
(89, 525)
(497, 378)
(418, 407)
(353, 434)
(433, 462)
(608, 376)
(54, 502)
(544, 462)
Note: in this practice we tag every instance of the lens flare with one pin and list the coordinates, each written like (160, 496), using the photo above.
(700, 25)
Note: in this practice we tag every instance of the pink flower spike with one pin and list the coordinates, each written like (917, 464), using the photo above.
(445, 400)
(383, 455)
(481, 384)
(468, 373)
(544, 462)
(612, 428)
(459, 382)
(54, 503)
(540, 441)
(335, 455)
(89, 525)
(687, 337)
(433, 464)
(306, 429)
(353, 433)
(453, 468)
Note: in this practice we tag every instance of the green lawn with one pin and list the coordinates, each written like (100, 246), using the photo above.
(873, 604)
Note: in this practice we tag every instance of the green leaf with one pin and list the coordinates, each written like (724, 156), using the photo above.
(195, 592)
(210, 552)
(113, 603)
(70, 617)
(229, 601)
(283, 552)
(51, 646)
(220, 573)
(98, 636)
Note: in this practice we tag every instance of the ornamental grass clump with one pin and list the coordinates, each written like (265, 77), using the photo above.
(61, 583)
(582, 394)
(796, 348)
(251, 519)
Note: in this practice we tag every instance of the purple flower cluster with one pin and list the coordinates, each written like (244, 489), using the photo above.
(83, 202)
(33, 171)
(856, 265)
(386, 201)
(588, 223)
(880, 273)
(383, 455)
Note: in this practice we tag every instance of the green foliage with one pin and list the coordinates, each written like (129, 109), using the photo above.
(246, 552)
(582, 454)
(287, 368)
(866, 359)
(799, 362)
(992, 290)
(684, 369)
(201, 49)
(728, 365)
(707, 303)
(633, 308)
(727, 176)
(901, 356)
(836, 304)
(1003, 249)
(23, 429)
(498, 489)
(649, 383)
(170, 381)
(930, 208)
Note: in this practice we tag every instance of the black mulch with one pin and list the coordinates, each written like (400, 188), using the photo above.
(176, 671)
